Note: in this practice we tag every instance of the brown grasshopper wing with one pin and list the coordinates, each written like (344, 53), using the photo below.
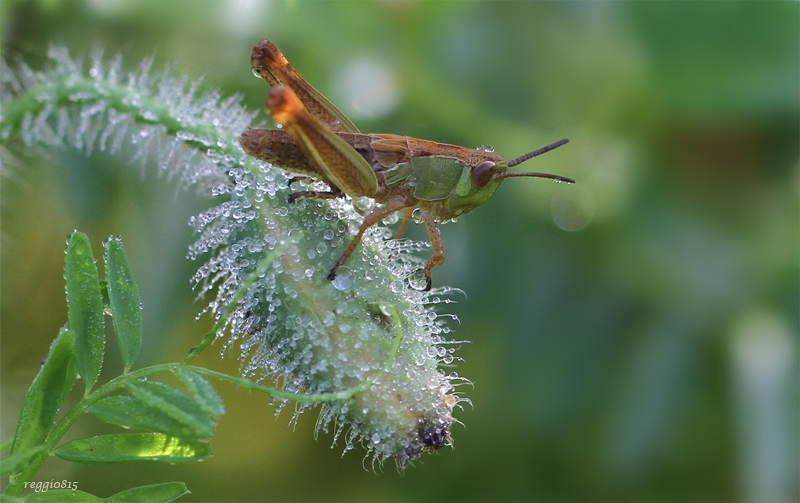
(272, 66)
(391, 149)
(330, 154)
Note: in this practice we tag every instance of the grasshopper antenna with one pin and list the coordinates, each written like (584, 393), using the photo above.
(531, 155)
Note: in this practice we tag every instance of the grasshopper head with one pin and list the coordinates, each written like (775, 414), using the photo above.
(480, 183)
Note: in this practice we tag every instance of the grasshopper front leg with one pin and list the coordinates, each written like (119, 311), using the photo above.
(436, 241)
(373, 218)
(406, 218)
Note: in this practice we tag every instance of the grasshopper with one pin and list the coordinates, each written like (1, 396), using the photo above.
(399, 172)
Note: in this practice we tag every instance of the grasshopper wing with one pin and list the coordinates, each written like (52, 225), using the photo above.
(272, 66)
(334, 157)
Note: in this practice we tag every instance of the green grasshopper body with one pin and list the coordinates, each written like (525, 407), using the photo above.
(318, 141)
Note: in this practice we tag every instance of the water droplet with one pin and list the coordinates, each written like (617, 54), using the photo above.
(417, 280)
(255, 247)
(364, 204)
(376, 439)
(328, 234)
(391, 219)
(295, 235)
(371, 274)
(343, 279)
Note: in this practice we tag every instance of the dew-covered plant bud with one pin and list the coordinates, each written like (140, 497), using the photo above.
(321, 336)
(293, 325)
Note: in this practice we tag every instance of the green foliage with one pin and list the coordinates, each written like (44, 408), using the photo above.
(17, 462)
(36, 434)
(177, 424)
(131, 412)
(176, 405)
(203, 393)
(123, 296)
(156, 493)
(46, 394)
(85, 303)
(127, 447)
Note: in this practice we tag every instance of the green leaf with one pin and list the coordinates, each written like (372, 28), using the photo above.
(85, 307)
(123, 296)
(205, 394)
(45, 396)
(104, 295)
(62, 496)
(130, 412)
(127, 447)
(17, 462)
(5, 498)
(176, 404)
(156, 493)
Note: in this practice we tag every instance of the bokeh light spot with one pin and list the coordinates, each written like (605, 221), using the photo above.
(366, 89)
(572, 208)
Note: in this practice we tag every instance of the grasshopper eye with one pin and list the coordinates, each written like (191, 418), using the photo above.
(482, 173)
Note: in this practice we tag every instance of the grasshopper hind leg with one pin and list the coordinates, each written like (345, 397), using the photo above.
(314, 195)
(300, 178)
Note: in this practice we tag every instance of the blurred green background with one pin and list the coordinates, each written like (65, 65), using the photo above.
(634, 337)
